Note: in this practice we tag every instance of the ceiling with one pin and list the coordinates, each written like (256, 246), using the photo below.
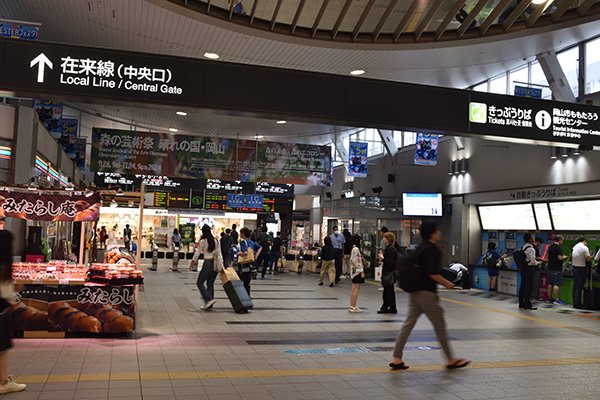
(202, 123)
(161, 27)
(393, 21)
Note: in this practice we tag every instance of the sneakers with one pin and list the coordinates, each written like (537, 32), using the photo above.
(354, 310)
(209, 305)
(320, 283)
(10, 386)
(559, 303)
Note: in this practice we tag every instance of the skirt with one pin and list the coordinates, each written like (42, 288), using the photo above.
(358, 279)
(5, 326)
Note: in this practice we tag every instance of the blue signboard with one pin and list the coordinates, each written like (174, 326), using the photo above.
(16, 30)
(357, 159)
(524, 91)
(235, 200)
(255, 201)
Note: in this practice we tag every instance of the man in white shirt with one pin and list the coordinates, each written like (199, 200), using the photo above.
(581, 257)
(527, 273)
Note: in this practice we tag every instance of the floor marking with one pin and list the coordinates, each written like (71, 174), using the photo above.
(186, 375)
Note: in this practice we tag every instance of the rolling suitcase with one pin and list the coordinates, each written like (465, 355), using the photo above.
(238, 296)
(591, 295)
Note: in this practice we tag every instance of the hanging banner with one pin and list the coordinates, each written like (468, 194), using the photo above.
(426, 152)
(68, 137)
(181, 156)
(80, 158)
(357, 159)
(50, 114)
(36, 206)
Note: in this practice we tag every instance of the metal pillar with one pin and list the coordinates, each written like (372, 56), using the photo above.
(387, 138)
(556, 77)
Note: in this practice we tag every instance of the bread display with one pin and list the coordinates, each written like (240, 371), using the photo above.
(27, 318)
(113, 320)
(70, 319)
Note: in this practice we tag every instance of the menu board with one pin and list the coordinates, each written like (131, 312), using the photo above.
(514, 217)
(576, 215)
(542, 215)
(422, 204)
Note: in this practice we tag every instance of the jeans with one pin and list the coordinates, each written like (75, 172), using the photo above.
(424, 302)
(389, 299)
(527, 274)
(579, 277)
(246, 278)
(339, 257)
(207, 275)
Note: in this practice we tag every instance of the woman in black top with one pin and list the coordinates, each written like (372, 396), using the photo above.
(327, 262)
(389, 257)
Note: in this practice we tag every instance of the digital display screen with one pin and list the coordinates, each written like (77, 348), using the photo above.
(576, 215)
(422, 204)
(161, 199)
(179, 200)
(513, 217)
(542, 215)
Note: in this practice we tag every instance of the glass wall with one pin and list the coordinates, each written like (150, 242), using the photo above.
(569, 61)
(592, 66)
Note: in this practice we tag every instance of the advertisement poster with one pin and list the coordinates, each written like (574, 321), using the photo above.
(34, 206)
(68, 137)
(50, 114)
(82, 309)
(188, 233)
(81, 148)
(18, 30)
(426, 152)
(357, 159)
(182, 156)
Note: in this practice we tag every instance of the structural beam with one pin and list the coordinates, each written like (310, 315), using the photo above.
(556, 77)
(470, 18)
(426, 20)
(489, 21)
(515, 14)
(319, 16)
(537, 13)
(253, 12)
(406, 19)
(275, 13)
(297, 15)
(448, 18)
(384, 18)
(562, 9)
(387, 138)
(340, 19)
(584, 7)
(362, 18)
(340, 147)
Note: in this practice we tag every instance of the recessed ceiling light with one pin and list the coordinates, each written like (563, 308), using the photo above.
(357, 72)
(182, 113)
(539, 1)
(281, 122)
(212, 56)
(259, 137)
(172, 130)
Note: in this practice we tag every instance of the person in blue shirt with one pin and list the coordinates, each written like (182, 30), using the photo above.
(491, 261)
(245, 270)
(338, 240)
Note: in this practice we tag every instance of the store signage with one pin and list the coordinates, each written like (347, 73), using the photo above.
(542, 193)
(358, 159)
(18, 30)
(37, 206)
(235, 200)
(538, 120)
(426, 149)
(182, 156)
(524, 91)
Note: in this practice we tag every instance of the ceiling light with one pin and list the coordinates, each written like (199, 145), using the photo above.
(281, 122)
(553, 153)
(357, 72)
(259, 137)
(564, 153)
(539, 1)
(211, 56)
(576, 152)
(172, 130)
(182, 113)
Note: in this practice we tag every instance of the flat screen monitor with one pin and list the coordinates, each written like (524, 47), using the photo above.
(576, 215)
(422, 204)
(542, 215)
(509, 217)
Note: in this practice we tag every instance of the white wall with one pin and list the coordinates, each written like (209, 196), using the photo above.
(7, 121)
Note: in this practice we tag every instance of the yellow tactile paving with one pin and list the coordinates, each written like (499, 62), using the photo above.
(145, 376)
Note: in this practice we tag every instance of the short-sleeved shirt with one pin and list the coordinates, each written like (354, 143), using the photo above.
(234, 236)
(338, 240)
(430, 259)
(555, 262)
(580, 254)
(245, 243)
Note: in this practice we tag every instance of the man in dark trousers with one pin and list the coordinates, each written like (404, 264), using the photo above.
(226, 243)
(276, 250)
(127, 237)
(527, 271)
(234, 234)
(264, 259)
(337, 239)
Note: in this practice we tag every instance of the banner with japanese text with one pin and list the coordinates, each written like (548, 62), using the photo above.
(39, 206)
(357, 159)
(69, 137)
(50, 114)
(183, 156)
(426, 151)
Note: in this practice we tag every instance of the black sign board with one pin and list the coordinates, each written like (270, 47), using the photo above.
(82, 73)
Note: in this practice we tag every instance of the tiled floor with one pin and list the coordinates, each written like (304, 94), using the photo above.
(180, 352)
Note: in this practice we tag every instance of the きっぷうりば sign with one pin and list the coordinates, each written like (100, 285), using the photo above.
(35, 206)
(183, 156)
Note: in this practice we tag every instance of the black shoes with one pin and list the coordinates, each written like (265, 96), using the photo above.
(387, 312)
(331, 284)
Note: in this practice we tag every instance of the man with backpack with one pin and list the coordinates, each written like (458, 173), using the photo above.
(526, 261)
(419, 274)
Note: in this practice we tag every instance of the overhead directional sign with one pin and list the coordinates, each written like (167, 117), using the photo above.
(63, 72)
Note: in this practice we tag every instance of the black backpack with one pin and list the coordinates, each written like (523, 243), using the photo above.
(410, 274)
(491, 260)
(520, 258)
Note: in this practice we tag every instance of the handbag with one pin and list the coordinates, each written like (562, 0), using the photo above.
(248, 257)
(366, 264)
(218, 265)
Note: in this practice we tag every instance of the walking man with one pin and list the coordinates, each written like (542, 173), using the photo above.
(337, 239)
(426, 301)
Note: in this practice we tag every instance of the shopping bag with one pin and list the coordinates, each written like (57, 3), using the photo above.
(229, 274)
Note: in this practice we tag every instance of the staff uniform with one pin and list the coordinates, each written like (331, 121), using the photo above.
(527, 274)
(580, 256)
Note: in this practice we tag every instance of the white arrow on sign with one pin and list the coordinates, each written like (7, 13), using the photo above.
(41, 61)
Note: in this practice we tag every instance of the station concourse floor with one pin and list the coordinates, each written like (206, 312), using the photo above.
(180, 352)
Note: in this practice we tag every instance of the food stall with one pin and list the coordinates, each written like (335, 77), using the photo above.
(60, 297)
